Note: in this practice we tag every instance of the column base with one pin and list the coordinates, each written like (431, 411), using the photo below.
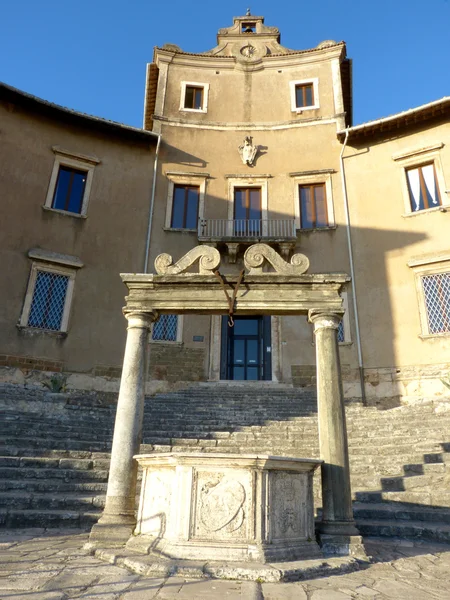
(112, 531)
(340, 538)
(342, 545)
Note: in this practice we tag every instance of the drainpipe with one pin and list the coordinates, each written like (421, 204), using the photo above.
(152, 205)
(352, 271)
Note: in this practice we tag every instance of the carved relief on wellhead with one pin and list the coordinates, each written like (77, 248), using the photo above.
(258, 254)
(208, 257)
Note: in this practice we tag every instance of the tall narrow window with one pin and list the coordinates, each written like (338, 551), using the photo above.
(313, 206)
(304, 95)
(185, 207)
(165, 329)
(436, 289)
(423, 188)
(69, 190)
(193, 97)
(247, 211)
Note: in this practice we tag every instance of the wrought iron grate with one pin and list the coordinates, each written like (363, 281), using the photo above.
(341, 333)
(165, 328)
(47, 305)
(437, 301)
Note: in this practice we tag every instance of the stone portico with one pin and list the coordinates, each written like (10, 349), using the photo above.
(270, 286)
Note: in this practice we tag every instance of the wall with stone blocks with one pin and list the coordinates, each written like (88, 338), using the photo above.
(174, 362)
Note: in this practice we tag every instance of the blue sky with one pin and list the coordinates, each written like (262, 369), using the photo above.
(91, 55)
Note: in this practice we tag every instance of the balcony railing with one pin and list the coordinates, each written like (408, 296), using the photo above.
(246, 229)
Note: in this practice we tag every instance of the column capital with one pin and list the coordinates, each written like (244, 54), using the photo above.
(141, 319)
(325, 319)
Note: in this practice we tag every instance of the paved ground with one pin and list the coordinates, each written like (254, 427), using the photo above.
(39, 566)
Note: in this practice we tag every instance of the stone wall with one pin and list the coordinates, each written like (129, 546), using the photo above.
(174, 362)
(26, 363)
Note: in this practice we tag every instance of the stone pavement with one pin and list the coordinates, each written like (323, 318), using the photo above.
(35, 565)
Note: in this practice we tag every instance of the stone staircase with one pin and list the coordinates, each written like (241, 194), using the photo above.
(54, 451)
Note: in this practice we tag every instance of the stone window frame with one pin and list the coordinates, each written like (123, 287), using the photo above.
(192, 179)
(422, 266)
(205, 86)
(179, 339)
(323, 177)
(75, 160)
(292, 86)
(58, 264)
(419, 157)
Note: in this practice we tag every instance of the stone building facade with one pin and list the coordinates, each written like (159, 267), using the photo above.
(250, 141)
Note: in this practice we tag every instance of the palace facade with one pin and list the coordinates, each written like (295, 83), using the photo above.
(248, 142)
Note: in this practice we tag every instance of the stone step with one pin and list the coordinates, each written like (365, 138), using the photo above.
(26, 519)
(49, 473)
(434, 497)
(417, 530)
(12, 500)
(396, 511)
(66, 444)
(55, 485)
(54, 463)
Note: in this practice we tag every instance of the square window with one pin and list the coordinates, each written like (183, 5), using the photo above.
(165, 329)
(69, 190)
(313, 206)
(48, 297)
(193, 97)
(423, 187)
(185, 207)
(436, 291)
(70, 182)
(304, 95)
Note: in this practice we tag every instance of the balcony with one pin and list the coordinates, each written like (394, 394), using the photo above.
(234, 232)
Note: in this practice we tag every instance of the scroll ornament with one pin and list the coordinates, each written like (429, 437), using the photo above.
(208, 257)
(256, 255)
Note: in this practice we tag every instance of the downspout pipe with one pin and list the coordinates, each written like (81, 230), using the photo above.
(152, 206)
(352, 271)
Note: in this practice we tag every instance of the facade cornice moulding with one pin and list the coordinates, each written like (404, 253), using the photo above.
(246, 126)
(77, 155)
(420, 261)
(248, 176)
(417, 151)
(315, 172)
(187, 174)
(55, 257)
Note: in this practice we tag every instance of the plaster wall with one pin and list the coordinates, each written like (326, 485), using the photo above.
(387, 235)
(110, 240)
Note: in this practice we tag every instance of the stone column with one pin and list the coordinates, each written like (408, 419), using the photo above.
(118, 519)
(338, 532)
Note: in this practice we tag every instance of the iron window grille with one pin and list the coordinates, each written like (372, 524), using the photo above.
(165, 329)
(436, 289)
(48, 302)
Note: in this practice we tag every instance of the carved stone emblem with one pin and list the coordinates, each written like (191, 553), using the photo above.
(221, 505)
(248, 51)
(208, 257)
(248, 151)
(256, 255)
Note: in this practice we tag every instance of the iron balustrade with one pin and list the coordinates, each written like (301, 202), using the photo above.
(254, 229)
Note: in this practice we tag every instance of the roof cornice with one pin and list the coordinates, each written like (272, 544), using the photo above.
(13, 94)
(399, 120)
